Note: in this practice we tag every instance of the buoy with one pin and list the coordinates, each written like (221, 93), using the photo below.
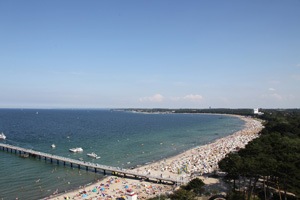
(142, 144)
(68, 137)
(172, 144)
(161, 143)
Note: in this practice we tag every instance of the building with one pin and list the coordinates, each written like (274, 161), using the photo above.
(130, 195)
(256, 112)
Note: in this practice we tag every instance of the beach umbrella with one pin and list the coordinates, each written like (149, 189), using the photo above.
(85, 195)
(107, 185)
(126, 187)
(94, 190)
(102, 189)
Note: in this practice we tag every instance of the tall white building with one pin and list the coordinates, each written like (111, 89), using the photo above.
(256, 112)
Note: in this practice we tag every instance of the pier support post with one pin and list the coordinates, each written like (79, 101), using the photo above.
(11, 150)
(104, 172)
(71, 164)
(45, 158)
(51, 160)
(78, 166)
(57, 161)
(95, 169)
(86, 168)
(64, 163)
(39, 157)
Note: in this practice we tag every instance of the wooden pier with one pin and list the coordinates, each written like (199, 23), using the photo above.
(88, 165)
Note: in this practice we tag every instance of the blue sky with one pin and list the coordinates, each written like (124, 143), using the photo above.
(171, 54)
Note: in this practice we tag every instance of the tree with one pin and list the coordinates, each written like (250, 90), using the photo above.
(196, 185)
(182, 194)
(231, 164)
(161, 197)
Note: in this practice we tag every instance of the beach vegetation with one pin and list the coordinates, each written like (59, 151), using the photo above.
(160, 197)
(182, 194)
(196, 185)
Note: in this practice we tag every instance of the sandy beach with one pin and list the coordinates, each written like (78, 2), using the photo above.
(196, 162)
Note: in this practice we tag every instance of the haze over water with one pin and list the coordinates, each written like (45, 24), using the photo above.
(122, 139)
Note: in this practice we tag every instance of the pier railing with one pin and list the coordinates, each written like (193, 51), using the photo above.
(95, 166)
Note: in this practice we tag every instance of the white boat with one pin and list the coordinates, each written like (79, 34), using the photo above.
(53, 146)
(75, 150)
(2, 136)
(79, 149)
(93, 155)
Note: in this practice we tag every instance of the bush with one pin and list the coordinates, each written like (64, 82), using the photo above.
(183, 194)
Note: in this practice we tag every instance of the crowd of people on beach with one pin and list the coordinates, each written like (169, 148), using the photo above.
(116, 188)
(196, 162)
(204, 159)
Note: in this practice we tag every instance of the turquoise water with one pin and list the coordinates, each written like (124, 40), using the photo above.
(122, 139)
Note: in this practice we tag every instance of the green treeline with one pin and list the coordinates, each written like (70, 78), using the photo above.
(213, 111)
(239, 111)
(269, 163)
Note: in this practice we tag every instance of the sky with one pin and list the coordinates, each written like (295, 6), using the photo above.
(150, 54)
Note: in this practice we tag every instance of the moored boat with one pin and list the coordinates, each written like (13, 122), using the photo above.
(2, 136)
(75, 150)
(93, 155)
(53, 146)
(24, 155)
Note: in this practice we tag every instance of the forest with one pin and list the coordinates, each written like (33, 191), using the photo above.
(269, 166)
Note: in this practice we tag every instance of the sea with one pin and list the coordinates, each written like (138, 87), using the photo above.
(122, 139)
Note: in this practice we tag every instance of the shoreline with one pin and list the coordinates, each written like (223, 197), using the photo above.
(195, 162)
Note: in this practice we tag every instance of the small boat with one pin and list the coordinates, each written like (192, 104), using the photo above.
(24, 155)
(2, 136)
(53, 146)
(79, 149)
(75, 150)
(93, 155)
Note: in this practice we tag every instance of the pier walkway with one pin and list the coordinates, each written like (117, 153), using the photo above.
(88, 165)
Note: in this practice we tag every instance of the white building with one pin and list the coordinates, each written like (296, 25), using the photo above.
(256, 112)
(130, 195)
